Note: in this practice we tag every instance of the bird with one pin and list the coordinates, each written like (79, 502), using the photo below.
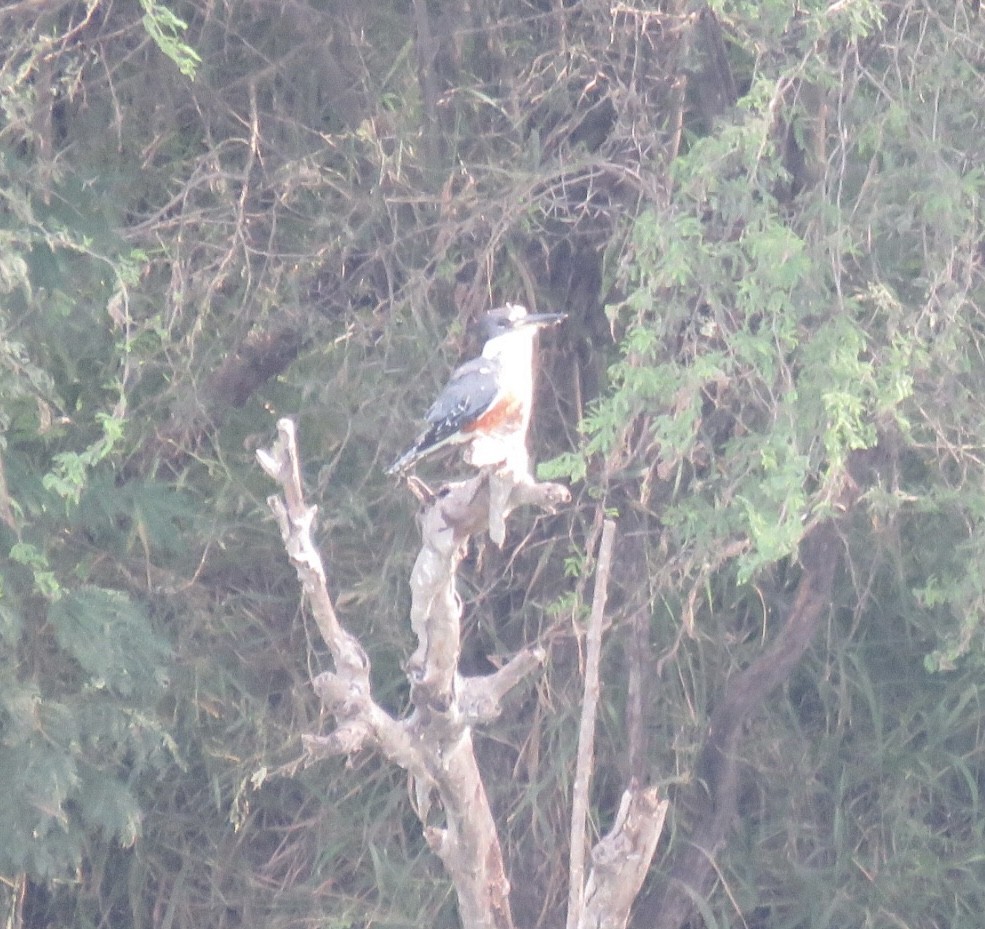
(487, 401)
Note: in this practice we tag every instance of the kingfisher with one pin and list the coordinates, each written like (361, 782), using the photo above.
(487, 401)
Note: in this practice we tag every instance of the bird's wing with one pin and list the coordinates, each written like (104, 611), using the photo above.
(468, 394)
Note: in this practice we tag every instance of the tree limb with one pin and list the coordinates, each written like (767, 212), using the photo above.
(251, 363)
(586, 734)
(622, 858)
(434, 744)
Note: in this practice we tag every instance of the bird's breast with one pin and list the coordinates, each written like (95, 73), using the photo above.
(504, 416)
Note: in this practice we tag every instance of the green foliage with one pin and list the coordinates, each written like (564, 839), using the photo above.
(775, 347)
(166, 30)
(76, 745)
(112, 642)
(69, 474)
(45, 581)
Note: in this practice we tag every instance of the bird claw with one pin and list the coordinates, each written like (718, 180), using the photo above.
(424, 494)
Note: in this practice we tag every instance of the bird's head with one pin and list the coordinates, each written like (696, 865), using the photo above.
(513, 317)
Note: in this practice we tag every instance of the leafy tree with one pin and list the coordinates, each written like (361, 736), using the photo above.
(788, 398)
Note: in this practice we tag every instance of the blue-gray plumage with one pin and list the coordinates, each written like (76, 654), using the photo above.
(487, 401)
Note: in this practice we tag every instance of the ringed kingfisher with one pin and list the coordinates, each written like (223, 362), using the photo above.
(488, 400)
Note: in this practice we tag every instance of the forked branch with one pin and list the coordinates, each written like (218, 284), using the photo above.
(434, 742)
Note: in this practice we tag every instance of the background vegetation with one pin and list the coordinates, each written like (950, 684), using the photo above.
(766, 223)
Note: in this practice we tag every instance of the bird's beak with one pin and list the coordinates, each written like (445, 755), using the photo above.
(541, 320)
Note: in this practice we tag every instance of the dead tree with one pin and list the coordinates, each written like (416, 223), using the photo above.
(433, 743)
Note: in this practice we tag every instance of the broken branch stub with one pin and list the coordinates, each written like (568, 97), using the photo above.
(621, 859)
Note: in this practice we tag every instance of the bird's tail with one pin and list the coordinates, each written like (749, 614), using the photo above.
(407, 460)
(427, 442)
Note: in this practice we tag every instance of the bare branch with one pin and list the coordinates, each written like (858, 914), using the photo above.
(435, 743)
(480, 697)
(586, 734)
(509, 491)
(446, 704)
(296, 521)
(458, 511)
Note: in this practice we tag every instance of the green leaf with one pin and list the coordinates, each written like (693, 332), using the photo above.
(112, 640)
(166, 29)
